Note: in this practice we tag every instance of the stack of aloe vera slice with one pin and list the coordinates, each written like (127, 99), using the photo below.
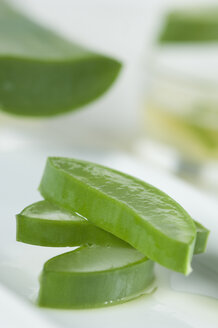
(122, 225)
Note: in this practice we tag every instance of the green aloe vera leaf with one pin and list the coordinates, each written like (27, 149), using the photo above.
(129, 208)
(43, 74)
(190, 25)
(45, 224)
(94, 276)
(202, 237)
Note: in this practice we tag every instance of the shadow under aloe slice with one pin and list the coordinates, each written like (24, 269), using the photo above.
(45, 224)
(129, 208)
(94, 276)
(43, 74)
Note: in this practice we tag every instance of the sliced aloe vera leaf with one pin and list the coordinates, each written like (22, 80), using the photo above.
(45, 224)
(202, 237)
(43, 74)
(94, 276)
(129, 208)
(190, 25)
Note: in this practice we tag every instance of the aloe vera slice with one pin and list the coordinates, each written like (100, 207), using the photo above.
(129, 208)
(45, 224)
(43, 74)
(93, 277)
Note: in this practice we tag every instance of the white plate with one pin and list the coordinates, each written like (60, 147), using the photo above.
(178, 301)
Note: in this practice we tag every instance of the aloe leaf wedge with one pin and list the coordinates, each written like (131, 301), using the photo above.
(129, 208)
(43, 74)
(45, 224)
(94, 276)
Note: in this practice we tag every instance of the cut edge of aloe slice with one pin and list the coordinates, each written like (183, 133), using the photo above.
(120, 218)
(96, 276)
(45, 224)
(202, 238)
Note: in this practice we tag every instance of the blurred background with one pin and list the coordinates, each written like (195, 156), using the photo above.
(163, 108)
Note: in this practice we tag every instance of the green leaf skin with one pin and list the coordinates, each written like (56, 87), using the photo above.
(45, 224)
(129, 208)
(42, 74)
(94, 276)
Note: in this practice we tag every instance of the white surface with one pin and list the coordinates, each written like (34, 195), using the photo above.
(177, 301)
